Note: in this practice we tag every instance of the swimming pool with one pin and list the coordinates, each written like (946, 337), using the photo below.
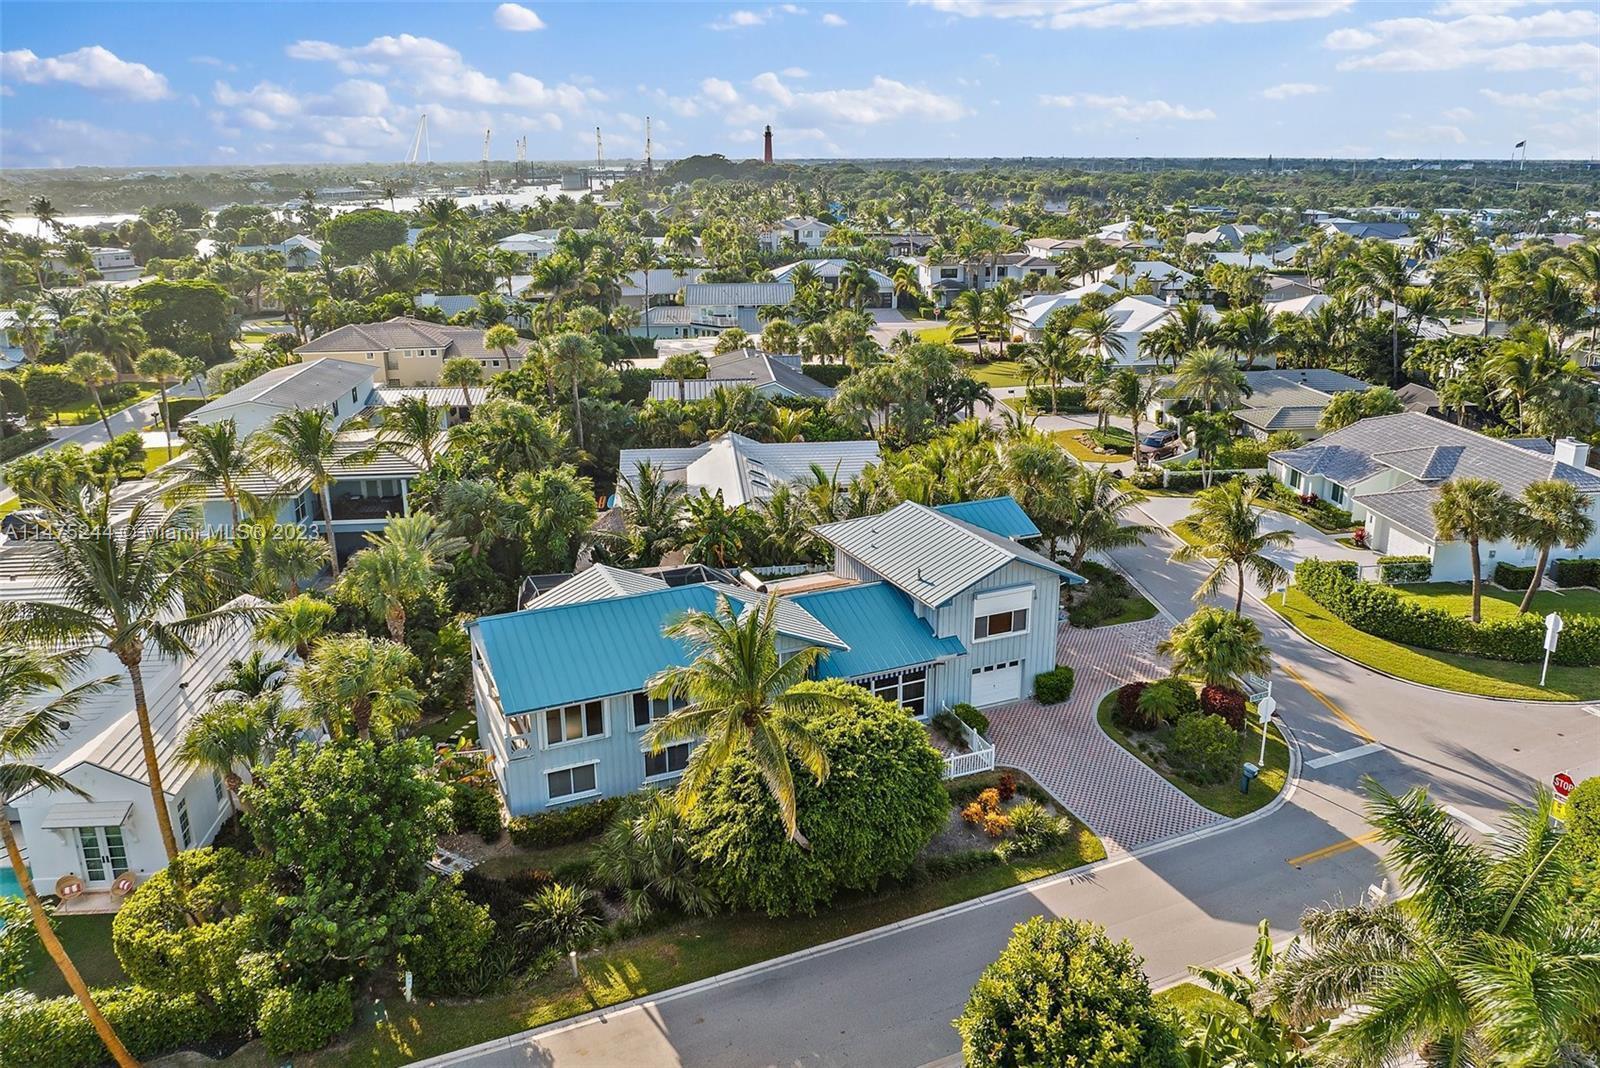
(9, 887)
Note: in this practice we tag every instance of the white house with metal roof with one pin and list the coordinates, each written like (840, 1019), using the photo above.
(829, 271)
(745, 471)
(1387, 471)
(767, 374)
(342, 387)
(807, 231)
(925, 607)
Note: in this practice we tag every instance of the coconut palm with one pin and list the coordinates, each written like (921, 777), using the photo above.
(91, 370)
(970, 312)
(37, 703)
(1477, 269)
(503, 338)
(464, 372)
(398, 567)
(1487, 961)
(1238, 1030)
(1092, 515)
(1100, 334)
(1209, 378)
(1381, 274)
(411, 428)
(572, 358)
(217, 459)
(360, 686)
(743, 702)
(1473, 510)
(1227, 525)
(1252, 332)
(1551, 512)
(1131, 394)
(652, 508)
(296, 624)
(1582, 268)
(1052, 360)
(140, 586)
(165, 368)
(301, 447)
(1217, 647)
(238, 732)
(712, 531)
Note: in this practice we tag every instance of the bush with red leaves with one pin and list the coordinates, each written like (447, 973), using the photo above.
(1221, 701)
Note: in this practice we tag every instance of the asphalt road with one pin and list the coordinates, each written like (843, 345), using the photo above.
(888, 999)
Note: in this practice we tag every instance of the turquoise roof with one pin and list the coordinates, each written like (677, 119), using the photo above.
(543, 657)
(998, 515)
(878, 624)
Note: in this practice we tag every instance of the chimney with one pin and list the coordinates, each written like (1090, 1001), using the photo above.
(1573, 452)
(767, 142)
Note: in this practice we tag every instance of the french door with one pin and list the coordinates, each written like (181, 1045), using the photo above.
(104, 854)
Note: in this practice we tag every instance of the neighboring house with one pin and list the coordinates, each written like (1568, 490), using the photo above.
(769, 375)
(1361, 231)
(451, 305)
(1167, 279)
(1136, 316)
(1229, 235)
(665, 284)
(1291, 400)
(531, 247)
(746, 471)
(342, 387)
(1050, 247)
(113, 829)
(1032, 314)
(709, 308)
(410, 352)
(112, 264)
(924, 608)
(803, 230)
(11, 354)
(1281, 288)
(299, 252)
(944, 278)
(1118, 234)
(1387, 471)
(828, 271)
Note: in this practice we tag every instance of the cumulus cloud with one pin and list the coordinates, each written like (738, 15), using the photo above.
(719, 91)
(796, 72)
(517, 18)
(830, 19)
(1139, 14)
(739, 20)
(1129, 110)
(1286, 90)
(93, 67)
(1546, 99)
(884, 100)
(1545, 40)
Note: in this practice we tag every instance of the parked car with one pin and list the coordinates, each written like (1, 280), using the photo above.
(1160, 443)
(22, 524)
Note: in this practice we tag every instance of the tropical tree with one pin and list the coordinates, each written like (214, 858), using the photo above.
(1092, 517)
(165, 368)
(1229, 535)
(1252, 332)
(1100, 334)
(970, 312)
(1476, 269)
(301, 447)
(410, 429)
(1131, 394)
(93, 370)
(360, 685)
(1486, 961)
(742, 701)
(397, 568)
(1550, 512)
(1582, 268)
(1210, 378)
(652, 508)
(1240, 1031)
(574, 359)
(37, 703)
(275, 558)
(712, 531)
(1051, 360)
(239, 732)
(501, 337)
(296, 624)
(1381, 273)
(563, 916)
(1218, 647)
(682, 366)
(465, 372)
(1473, 510)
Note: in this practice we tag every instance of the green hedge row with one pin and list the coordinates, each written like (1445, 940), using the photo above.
(1070, 400)
(1577, 572)
(55, 1033)
(1512, 577)
(25, 442)
(1399, 569)
(1380, 611)
(181, 406)
(562, 825)
(828, 374)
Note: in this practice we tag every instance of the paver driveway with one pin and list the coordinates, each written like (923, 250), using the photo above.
(1065, 751)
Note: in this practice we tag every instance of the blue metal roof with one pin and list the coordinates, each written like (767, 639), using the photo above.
(543, 657)
(998, 515)
(878, 624)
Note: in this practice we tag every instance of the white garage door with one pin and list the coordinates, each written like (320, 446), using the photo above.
(1001, 682)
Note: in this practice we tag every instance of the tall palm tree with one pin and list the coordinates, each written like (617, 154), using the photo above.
(1209, 378)
(502, 337)
(165, 368)
(1228, 525)
(410, 428)
(276, 558)
(1095, 503)
(1487, 961)
(397, 568)
(92, 370)
(1473, 510)
(296, 624)
(572, 357)
(1381, 274)
(1217, 647)
(742, 702)
(301, 447)
(466, 372)
(1477, 269)
(969, 311)
(1131, 394)
(1582, 269)
(359, 685)
(129, 590)
(36, 706)
(1052, 360)
(1100, 334)
(652, 507)
(1551, 512)
(216, 458)
(1252, 331)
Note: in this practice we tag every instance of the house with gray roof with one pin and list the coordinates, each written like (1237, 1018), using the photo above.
(410, 352)
(1387, 471)
(709, 308)
(924, 607)
(1291, 399)
(745, 471)
(343, 388)
(767, 374)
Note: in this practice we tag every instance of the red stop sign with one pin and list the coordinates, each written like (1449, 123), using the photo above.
(1563, 784)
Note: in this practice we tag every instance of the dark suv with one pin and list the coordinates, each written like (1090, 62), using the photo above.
(1159, 442)
(21, 524)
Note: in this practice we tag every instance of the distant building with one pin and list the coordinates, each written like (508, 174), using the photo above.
(744, 471)
(803, 230)
(410, 352)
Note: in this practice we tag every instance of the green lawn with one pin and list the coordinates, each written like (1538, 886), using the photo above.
(936, 335)
(1082, 447)
(1456, 598)
(669, 957)
(997, 372)
(87, 940)
(1448, 671)
(444, 729)
(155, 457)
(86, 412)
(1222, 798)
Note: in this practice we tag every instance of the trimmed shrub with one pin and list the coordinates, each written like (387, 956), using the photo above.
(560, 826)
(475, 809)
(1007, 786)
(297, 1019)
(1204, 748)
(1128, 714)
(1184, 694)
(1070, 400)
(1511, 577)
(55, 1033)
(828, 374)
(1577, 572)
(456, 933)
(181, 406)
(25, 442)
(1053, 686)
(1223, 702)
(971, 717)
(1395, 570)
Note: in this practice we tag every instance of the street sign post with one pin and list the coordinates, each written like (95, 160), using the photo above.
(1552, 635)
(1264, 709)
(1561, 783)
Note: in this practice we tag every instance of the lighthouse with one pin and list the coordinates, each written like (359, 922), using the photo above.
(766, 138)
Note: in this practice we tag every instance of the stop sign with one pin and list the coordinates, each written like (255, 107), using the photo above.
(1563, 784)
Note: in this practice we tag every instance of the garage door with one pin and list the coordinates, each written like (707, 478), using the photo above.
(1000, 682)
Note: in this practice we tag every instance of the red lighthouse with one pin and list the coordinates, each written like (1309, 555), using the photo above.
(767, 140)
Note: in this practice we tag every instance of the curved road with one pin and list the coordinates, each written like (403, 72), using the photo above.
(887, 998)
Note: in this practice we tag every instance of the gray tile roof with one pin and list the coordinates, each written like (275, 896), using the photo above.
(403, 332)
(595, 583)
(312, 383)
(1288, 417)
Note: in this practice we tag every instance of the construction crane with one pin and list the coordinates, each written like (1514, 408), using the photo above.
(483, 179)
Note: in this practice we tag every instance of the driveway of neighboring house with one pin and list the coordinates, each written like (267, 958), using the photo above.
(1063, 748)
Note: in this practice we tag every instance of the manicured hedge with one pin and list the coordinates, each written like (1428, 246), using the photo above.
(25, 442)
(1380, 611)
(1069, 399)
(1398, 569)
(563, 825)
(1577, 572)
(828, 374)
(55, 1033)
(181, 406)
(971, 717)
(1053, 686)
(296, 1019)
(1512, 577)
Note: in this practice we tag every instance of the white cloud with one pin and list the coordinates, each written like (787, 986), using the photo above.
(71, 142)
(1139, 14)
(739, 20)
(719, 91)
(1476, 41)
(1286, 90)
(883, 101)
(213, 61)
(517, 18)
(1128, 109)
(1427, 135)
(830, 19)
(92, 67)
(1457, 115)
(378, 55)
(1545, 99)
(796, 72)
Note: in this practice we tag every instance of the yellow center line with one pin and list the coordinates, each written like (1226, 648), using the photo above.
(1344, 717)
(1334, 850)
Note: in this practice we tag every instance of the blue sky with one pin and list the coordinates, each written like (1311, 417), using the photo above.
(153, 83)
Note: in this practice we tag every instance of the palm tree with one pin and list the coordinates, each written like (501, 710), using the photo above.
(1382, 274)
(356, 684)
(301, 447)
(1551, 512)
(969, 311)
(712, 531)
(1487, 961)
(296, 624)
(1052, 360)
(92, 370)
(1228, 528)
(501, 336)
(652, 507)
(1092, 517)
(572, 357)
(45, 215)
(166, 368)
(1477, 269)
(410, 428)
(1582, 269)
(398, 567)
(128, 589)
(1252, 332)
(742, 702)
(1099, 333)
(1473, 510)
(237, 732)
(216, 458)
(1209, 378)
(1217, 647)
(1131, 394)
(36, 706)
(465, 372)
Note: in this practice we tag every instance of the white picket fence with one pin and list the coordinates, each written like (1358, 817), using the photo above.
(978, 757)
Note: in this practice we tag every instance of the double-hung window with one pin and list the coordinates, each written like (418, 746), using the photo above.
(1001, 613)
(572, 782)
(647, 709)
(573, 723)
